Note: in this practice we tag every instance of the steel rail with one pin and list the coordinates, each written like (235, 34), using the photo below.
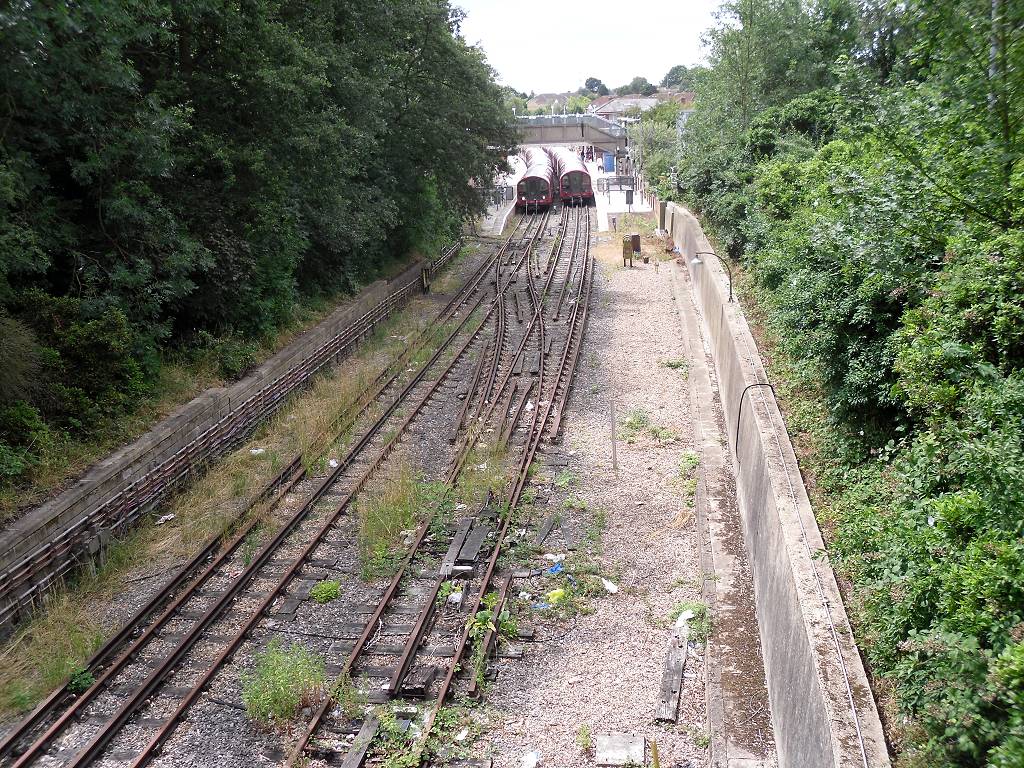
(128, 709)
(381, 383)
(214, 548)
(577, 320)
(422, 622)
(169, 726)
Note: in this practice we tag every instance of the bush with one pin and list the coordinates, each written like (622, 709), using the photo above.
(284, 680)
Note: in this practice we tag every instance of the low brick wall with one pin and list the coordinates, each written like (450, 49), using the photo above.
(52, 540)
(822, 707)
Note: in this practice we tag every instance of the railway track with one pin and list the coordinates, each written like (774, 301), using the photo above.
(506, 334)
(423, 670)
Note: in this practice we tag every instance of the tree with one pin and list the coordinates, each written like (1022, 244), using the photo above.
(637, 85)
(159, 157)
(596, 87)
(577, 104)
(679, 77)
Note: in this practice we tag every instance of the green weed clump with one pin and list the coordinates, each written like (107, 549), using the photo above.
(699, 624)
(638, 422)
(284, 680)
(325, 591)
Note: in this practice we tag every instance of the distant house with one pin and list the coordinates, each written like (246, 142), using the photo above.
(546, 101)
(683, 98)
(617, 107)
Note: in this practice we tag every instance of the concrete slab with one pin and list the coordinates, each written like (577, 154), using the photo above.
(619, 749)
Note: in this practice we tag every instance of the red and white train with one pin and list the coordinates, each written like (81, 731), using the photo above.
(555, 174)
(574, 187)
(535, 189)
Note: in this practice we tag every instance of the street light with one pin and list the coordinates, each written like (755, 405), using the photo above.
(728, 268)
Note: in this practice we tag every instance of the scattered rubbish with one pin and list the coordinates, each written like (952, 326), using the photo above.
(931, 521)
(333, 463)
(540, 606)
(555, 596)
(455, 598)
(460, 507)
(555, 569)
(554, 558)
(684, 617)
(640, 503)
(165, 519)
(524, 595)
(609, 587)
(461, 735)
(482, 466)
(257, 451)
(529, 405)
(531, 759)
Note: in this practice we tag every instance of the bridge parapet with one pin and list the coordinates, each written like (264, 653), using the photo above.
(570, 129)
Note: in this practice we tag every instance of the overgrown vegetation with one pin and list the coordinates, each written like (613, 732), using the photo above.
(284, 679)
(638, 422)
(177, 179)
(400, 502)
(489, 619)
(699, 621)
(59, 639)
(863, 162)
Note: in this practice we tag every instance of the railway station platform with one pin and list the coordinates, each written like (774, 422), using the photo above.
(612, 203)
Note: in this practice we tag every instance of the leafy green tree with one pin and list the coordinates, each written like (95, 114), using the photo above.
(637, 85)
(863, 161)
(577, 104)
(596, 87)
(176, 169)
(679, 77)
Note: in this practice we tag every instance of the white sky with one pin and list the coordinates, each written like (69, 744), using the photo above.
(554, 45)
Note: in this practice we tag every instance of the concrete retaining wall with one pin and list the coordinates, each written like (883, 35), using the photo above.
(822, 708)
(70, 529)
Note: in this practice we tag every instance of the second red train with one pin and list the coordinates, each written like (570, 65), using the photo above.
(555, 174)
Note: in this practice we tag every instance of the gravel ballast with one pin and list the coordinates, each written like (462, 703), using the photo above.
(601, 673)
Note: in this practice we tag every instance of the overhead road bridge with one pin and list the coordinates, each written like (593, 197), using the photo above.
(571, 129)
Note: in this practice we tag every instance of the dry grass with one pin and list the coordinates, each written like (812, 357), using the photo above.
(61, 637)
(486, 469)
(451, 279)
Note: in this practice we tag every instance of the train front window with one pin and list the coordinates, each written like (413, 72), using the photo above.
(533, 188)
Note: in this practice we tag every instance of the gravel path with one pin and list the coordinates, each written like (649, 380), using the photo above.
(601, 673)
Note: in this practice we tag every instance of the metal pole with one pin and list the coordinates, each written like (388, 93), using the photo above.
(728, 267)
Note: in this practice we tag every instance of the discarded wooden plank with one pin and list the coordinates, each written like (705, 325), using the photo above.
(419, 681)
(471, 549)
(545, 530)
(667, 708)
(453, 551)
(361, 745)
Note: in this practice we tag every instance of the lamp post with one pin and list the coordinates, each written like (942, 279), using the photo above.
(725, 263)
